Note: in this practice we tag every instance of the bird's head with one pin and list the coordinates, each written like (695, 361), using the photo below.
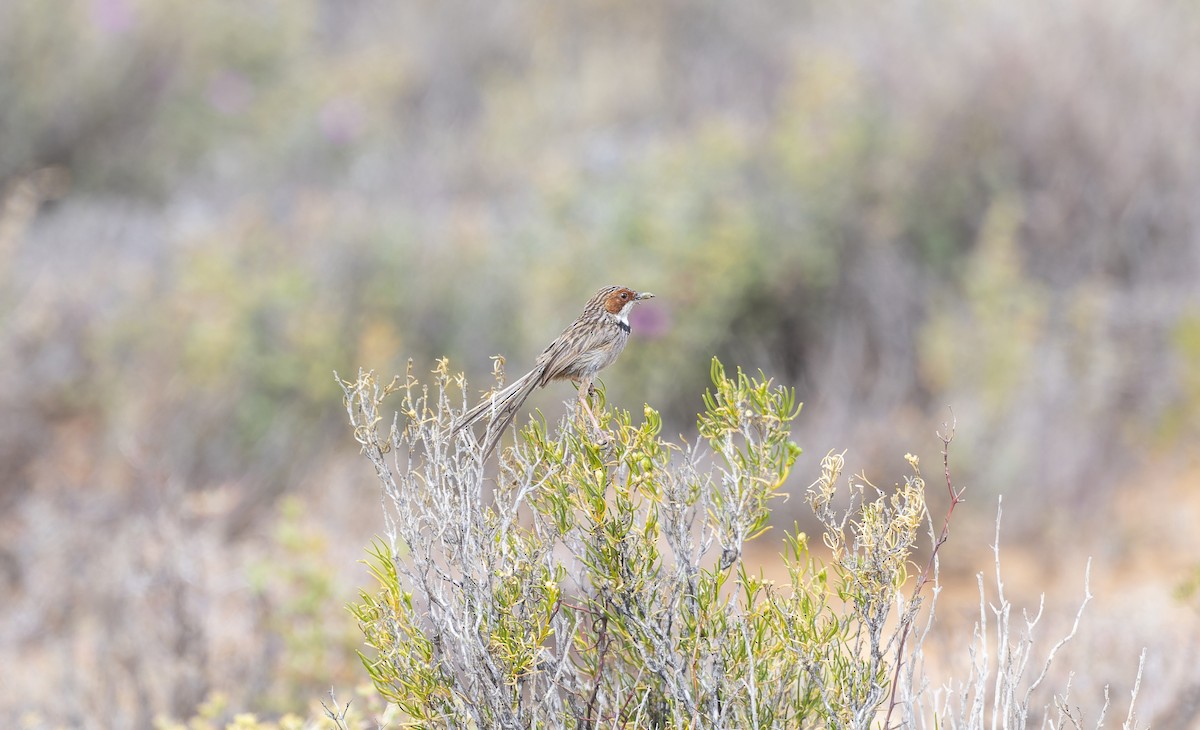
(618, 301)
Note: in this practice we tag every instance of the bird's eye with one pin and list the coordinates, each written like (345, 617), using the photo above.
(624, 295)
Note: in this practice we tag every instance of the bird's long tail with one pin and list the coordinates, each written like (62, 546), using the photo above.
(500, 409)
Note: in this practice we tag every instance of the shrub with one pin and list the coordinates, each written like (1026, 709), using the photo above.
(602, 581)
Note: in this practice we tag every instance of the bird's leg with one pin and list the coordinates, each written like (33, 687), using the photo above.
(585, 392)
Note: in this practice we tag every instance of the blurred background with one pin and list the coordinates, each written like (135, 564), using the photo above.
(207, 208)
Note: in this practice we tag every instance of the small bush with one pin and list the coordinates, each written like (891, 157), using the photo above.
(602, 582)
(599, 580)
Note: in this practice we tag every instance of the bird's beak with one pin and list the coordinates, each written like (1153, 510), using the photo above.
(644, 295)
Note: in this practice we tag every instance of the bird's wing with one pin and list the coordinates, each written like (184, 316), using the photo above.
(580, 338)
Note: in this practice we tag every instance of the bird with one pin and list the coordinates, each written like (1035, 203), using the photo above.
(591, 343)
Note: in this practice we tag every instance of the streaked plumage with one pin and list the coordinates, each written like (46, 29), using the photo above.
(590, 344)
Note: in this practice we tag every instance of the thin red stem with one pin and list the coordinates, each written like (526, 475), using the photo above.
(923, 578)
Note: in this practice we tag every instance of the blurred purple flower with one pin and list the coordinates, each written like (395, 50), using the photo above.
(229, 92)
(650, 320)
(341, 120)
(114, 17)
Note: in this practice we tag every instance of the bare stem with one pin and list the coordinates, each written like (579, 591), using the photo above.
(923, 578)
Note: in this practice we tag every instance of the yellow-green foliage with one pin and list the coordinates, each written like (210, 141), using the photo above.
(365, 711)
(612, 587)
(1180, 420)
(296, 586)
(985, 343)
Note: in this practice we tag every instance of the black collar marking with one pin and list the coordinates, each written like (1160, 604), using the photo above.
(623, 325)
